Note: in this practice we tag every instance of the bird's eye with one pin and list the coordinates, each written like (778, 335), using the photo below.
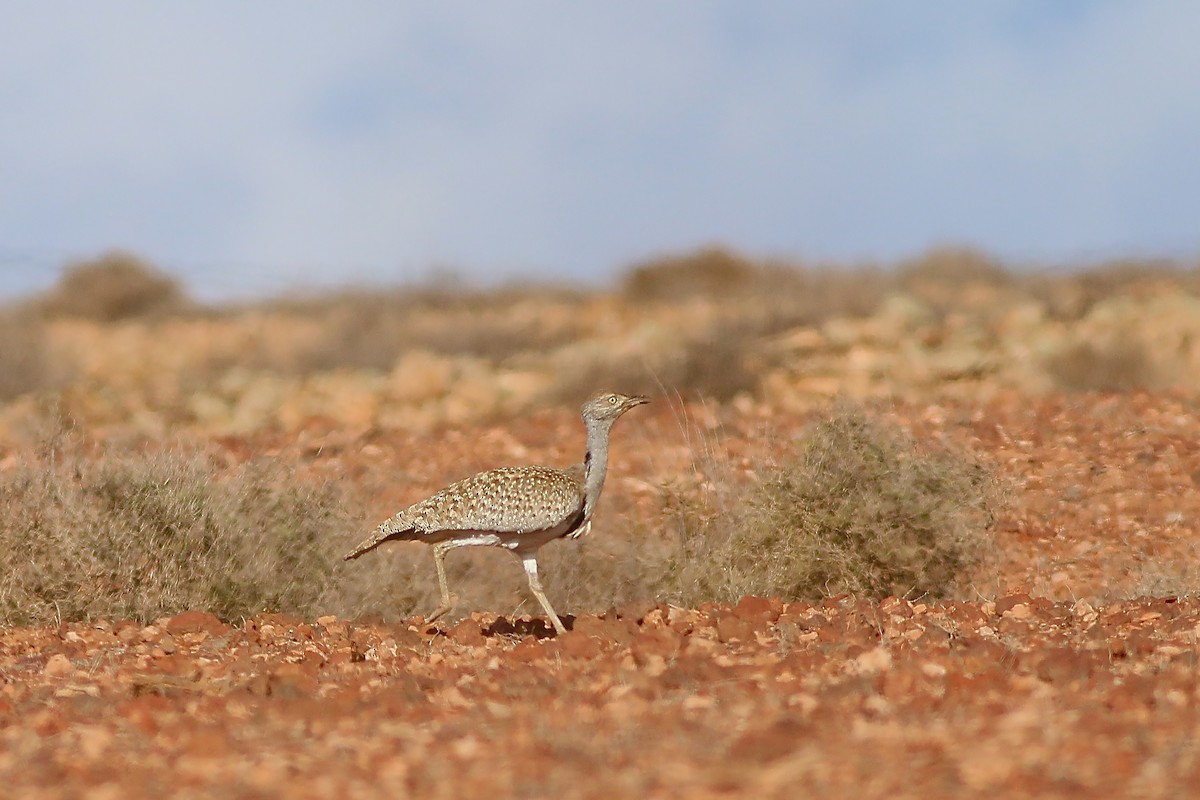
(612, 399)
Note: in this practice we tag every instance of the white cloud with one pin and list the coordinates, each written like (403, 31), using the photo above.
(259, 145)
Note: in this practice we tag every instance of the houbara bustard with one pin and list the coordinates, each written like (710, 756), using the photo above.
(517, 508)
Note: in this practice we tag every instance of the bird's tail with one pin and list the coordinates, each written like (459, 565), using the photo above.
(389, 530)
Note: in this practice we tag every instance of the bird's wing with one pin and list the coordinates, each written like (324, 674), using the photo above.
(506, 500)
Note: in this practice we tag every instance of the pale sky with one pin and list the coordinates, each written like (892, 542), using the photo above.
(256, 147)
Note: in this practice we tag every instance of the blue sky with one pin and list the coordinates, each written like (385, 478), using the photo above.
(250, 148)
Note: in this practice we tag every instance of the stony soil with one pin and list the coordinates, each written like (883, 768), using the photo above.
(1061, 679)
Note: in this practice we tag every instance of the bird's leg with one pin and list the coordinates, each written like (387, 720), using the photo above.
(439, 559)
(529, 560)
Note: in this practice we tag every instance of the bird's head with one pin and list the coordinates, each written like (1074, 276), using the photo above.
(607, 406)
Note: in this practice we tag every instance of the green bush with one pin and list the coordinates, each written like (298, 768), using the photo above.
(858, 507)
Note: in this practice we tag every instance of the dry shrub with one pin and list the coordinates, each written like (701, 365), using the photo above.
(24, 356)
(952, 265)
(859, 507)
(787, 294)
(142, 535)
(1071, 296)
(709, 272)
(713, 365)
(1177, 576)
(1120, 366)
(953, 279)
(114, 286)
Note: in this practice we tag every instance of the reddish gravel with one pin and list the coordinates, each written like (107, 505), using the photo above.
(1059, 688)
(889, 699)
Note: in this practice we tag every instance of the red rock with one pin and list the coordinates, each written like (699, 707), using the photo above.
(291, 680)
(1057, 665)
(758, 609)
(1014, 627)
(607, 628)
(193, 621)
(661, 642)
(577, 644)
(58, 666)
(795, 612)
(771, 742)
(209, 742)
(528, 650)
(933, 634)
(467, 632)
(901, 682)
(636, 611)
(828, 634)
(1009, 601)
(731, 628)
(897, 606)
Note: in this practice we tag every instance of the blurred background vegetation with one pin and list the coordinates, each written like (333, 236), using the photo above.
(159, 453)
(119, 340)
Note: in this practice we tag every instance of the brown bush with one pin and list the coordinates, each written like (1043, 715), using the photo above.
(951, 265)
(709, 272)
(114, 286)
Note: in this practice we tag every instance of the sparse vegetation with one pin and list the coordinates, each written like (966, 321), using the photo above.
(766, 295)
(711, 324)
(858, 507)
(1169, 577)
(86, 536)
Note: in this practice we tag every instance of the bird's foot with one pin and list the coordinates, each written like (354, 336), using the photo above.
(442, 610)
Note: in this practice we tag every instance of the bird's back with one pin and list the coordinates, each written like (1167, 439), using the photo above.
(506, 500)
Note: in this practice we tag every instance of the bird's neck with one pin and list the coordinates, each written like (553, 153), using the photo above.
(595, 465)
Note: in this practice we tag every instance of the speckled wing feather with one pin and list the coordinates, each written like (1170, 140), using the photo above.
(506, 500)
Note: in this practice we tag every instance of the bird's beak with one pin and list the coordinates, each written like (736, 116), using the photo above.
(638, 400)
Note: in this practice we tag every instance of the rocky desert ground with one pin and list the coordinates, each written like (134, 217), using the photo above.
(135, 422)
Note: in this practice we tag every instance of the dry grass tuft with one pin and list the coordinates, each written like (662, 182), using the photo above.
(1178, 576)
(858, 507)
(128, 534)
(114, 286)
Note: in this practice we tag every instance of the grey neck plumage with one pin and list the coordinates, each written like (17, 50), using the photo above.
(595, 463)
